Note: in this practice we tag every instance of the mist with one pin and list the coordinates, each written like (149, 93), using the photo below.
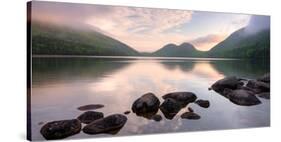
(258, 23)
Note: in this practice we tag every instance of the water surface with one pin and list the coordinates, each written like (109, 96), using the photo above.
(61, 84)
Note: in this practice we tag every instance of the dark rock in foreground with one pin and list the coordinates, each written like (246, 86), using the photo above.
(170, 108)
(147, 105)
(108, 124)
(157, 117)
(90, 116)
(60, 129)
(258, 86)
(190, 109)
(265, 78)
(227, 82)
(243, 97)
(190, 115)
(203, 103)
(181, 97)
(90, 107)
(127, 112)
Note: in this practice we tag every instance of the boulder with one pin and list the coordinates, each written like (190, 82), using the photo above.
(243, 97)
(227, 82)
(60, 129)
(203, 103)
(258, 86)
(146, 105)
(157, 117)
(182, 97)
(265, 78)
(170, 108)
(190, 115)
(90, 116)
(108, 124)
(90, 107)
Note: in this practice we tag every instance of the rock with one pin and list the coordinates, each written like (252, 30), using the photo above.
(203, 103)
(243, 97)
(108, 124)
(157, 117)
(182, 97)
(90, 116)
(170, 108)
(127, 112)
(90, 107)
(147, 105)
(60, 129)
(41, 123)
(190, 115)
(227, 82)
(258, 86)
(265, 95)
(265, 78)
(190, 109)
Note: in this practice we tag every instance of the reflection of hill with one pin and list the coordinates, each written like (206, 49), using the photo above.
(46, 70)
(182, 65)
(242, 68)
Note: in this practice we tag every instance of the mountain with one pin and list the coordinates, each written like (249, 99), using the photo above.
(244, 44)
(51, 39)
(183, 50)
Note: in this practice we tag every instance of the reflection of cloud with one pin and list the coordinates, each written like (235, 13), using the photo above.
(207, 42)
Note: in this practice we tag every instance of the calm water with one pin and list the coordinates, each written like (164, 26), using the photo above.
(60, 85)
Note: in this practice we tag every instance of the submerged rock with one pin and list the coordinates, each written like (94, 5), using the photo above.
(110, 124)
(227, 82)
(127, 112)
(181, 97)
(265, 95)
(170, 108)
(243, 97)
(203, 103)
(157, 117)
(60, 129)
(90, 107)
(90, 116)
(147, 105)
(190, 115)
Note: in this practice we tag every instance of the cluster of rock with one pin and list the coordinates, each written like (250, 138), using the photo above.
(243, 91)
(148, 105)
(95, 122)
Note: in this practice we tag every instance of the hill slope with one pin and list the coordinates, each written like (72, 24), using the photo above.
(61, 40)
(241, 44)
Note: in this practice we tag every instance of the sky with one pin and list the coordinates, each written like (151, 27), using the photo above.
(144, 29)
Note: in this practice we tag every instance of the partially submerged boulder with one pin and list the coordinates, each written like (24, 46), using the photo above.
(258, 86)
(147, 105)
(243, 97)
(203, 103)
(190, 109)
(90, 116)
(181, 97)
(190, 115)
(157, 117)
(265, 95)
(90, 107)
(170, 108)
(108, 124)
(60, 129)
(227, 82)
(127, 112)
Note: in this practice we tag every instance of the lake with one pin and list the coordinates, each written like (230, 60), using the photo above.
(61, 84)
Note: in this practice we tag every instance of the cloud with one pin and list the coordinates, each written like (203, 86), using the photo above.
(205, 43)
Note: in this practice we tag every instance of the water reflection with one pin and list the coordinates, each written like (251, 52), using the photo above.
(60, 85)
